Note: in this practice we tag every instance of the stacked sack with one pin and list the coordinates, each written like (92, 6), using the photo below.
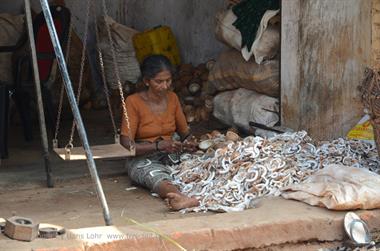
(246, 81)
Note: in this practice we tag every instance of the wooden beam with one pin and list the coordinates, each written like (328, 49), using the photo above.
(325, 48)
(376, 33)
(290, 63)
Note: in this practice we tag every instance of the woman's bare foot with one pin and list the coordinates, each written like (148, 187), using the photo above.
(177, 201)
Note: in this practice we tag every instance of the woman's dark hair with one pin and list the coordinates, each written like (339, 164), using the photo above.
(154, 64)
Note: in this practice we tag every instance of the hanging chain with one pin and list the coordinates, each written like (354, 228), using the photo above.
(82, 64)
(116, 68)
(67, 59)
(102, 70)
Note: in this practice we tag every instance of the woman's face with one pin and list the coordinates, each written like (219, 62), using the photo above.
(161, 83)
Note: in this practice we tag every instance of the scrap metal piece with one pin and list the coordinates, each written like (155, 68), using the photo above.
(60, 230)
(48, 232)
(21, 228)
(2, 224)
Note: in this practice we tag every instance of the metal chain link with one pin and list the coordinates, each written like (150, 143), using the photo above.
(116, 69)
(62, 90)
(102, 70)
(82, 64)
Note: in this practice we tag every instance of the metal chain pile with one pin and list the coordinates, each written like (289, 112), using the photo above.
(232, 176)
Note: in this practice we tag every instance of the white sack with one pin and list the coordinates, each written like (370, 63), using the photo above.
(241, 106)
(338, 187)
(225, 32)
(267, 41)
(266, 44)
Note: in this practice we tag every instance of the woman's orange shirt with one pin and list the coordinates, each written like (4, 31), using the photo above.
(147, 126)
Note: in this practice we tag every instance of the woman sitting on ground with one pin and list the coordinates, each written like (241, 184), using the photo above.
(154, 116)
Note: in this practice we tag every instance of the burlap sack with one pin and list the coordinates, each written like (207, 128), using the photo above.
(231, 71)
(128, 65)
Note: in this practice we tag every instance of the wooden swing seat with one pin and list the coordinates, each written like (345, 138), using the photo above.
(110, 151)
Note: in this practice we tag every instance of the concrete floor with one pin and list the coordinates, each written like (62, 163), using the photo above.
(276, 224)
(73, 201)
(73, 204)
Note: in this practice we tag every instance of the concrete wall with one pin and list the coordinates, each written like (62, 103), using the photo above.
(192, 22)
(17, 6)
(78, 10)
(11, 6)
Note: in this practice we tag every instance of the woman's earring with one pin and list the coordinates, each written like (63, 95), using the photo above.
(147, 84)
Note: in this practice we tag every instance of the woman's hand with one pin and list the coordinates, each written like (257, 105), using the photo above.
(169, 146)
(189, 146)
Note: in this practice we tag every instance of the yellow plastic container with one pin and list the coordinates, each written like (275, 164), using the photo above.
(159, 40)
